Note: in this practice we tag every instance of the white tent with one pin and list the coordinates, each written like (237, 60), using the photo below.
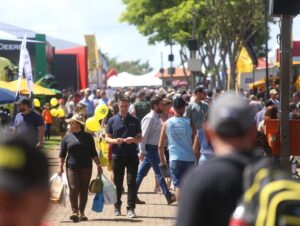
(125, 79)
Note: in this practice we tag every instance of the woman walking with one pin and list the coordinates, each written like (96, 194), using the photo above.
(48, 119)
(79, 148)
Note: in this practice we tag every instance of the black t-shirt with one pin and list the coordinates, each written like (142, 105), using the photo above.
(210, 194)
(80, 148)
(118, 127)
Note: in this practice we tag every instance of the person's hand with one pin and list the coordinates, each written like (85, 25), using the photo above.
(129, 140)
(141, 156)
(99, 168)
(60, 170)
(119, 140)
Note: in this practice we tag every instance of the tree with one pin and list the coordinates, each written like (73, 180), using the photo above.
(222, 27)
(135, 67)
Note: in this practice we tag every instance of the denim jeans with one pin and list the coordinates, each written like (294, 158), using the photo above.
(131, 163)
(152, 160)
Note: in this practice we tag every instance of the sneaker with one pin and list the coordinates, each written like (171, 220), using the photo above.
(171, 199)
(138, 201)
(117, 212)
(131, 213)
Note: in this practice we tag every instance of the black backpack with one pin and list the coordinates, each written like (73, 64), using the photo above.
(271, 197)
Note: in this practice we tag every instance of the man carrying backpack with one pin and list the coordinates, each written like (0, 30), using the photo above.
(210, 194)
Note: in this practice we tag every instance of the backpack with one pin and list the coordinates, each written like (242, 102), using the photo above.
(271, 197)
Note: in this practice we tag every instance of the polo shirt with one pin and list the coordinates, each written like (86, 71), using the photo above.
(120, 127)
(27, 125)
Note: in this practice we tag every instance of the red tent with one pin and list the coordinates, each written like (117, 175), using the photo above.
(81, 53)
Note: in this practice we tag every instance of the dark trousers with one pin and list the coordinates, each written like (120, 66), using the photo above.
(47, 131)
(79, 180)
(119, 163)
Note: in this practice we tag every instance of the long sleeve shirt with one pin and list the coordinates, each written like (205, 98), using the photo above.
(151, 128)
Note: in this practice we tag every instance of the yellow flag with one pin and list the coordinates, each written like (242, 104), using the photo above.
(93, 55)
(244, 63)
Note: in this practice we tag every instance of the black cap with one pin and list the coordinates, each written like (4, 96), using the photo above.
(199, 89)
(22, 166)
(24, 100)
(179, 102)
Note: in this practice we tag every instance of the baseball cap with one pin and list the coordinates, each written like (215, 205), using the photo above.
(22, 166)
(230, 115)
(24, 100)
(179, 102)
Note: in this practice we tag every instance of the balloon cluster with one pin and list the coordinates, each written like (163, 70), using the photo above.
(56, 112)
(92, 124)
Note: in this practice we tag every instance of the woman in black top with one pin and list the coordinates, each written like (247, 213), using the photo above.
(79, 148)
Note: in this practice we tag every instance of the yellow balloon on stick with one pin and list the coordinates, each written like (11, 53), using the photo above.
(53, 112)
(92, 124)
(36, 102)
(101, 111)
(60, 113)
(53, 102)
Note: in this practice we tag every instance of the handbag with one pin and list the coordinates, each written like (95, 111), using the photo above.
(96, 185)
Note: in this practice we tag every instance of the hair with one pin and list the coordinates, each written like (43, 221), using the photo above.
(69, 98)
(199, 89)
(167, 101)
(271, 112)
(124, 98)
(155, 101)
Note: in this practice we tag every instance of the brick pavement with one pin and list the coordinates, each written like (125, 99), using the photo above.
(154, 212)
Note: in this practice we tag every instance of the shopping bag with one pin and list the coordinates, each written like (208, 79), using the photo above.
(98, 202)
(109, 191)
(59, 188)
(96, 185)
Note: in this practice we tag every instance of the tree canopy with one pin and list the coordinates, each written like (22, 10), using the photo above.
(222, 27)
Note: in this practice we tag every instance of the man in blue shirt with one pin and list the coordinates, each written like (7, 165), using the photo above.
(29, 124)
(123, 131)
(88, 103)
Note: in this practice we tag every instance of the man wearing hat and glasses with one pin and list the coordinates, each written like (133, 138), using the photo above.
(210, 194)
(29, 124)
(24, 183)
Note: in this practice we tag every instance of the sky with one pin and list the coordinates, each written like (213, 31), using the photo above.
(72, 19)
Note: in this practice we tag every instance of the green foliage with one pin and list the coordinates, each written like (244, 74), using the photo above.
(135, 67)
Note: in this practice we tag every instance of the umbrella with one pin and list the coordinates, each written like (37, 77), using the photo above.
(6, 96)
(37, 89)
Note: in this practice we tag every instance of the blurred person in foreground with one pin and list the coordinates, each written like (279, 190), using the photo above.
(210, 193)
(24, 185)
(78, 147)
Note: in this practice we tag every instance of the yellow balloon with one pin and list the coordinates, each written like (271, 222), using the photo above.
(36, 102)
(53, 102)
(60, 113)
(92, 124)
(101, 111)
(53, 112)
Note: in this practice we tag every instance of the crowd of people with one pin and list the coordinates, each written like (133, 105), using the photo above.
(202, 131)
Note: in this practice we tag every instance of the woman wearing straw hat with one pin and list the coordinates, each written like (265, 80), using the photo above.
(79, 148)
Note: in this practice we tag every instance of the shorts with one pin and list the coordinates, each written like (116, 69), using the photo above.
(178, 169)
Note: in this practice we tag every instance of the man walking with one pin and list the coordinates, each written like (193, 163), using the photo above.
(196, 110)
(123, 131)
(210, 194)
(29, 124)
(151, 128)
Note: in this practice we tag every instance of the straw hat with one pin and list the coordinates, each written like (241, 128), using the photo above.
(78, 118)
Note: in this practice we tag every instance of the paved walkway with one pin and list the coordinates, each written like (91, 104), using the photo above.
(155, 212)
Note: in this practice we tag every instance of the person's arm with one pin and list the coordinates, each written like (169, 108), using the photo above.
(41, 133)
(146, 123)
(161, 144)
(110, 140)
(62, 156)
(196, 147)
(98, 164)
(138, 137)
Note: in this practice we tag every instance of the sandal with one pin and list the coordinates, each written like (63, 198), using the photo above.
(82, 217)
(74, 217)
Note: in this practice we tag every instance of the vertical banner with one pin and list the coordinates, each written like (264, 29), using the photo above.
(93, 56)
(21, 65)
(28, 71)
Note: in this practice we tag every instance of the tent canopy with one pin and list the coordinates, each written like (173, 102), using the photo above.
(6, 96)
(125, 79)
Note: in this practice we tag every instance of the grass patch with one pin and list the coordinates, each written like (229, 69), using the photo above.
(53, 143)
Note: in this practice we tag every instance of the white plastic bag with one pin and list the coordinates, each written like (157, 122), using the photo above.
(59, 188)
(109, 191)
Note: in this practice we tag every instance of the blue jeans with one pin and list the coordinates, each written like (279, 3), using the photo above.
(152, 160)
(178, 169)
